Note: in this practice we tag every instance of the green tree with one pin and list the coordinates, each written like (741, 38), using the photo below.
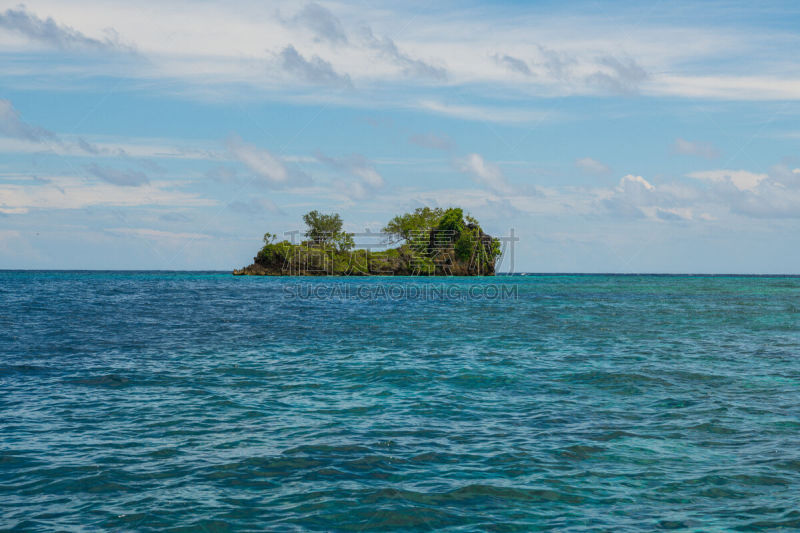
(322, 228)
(452, 220)
(495, 249)
(344, 241)
(411, 226)
(465, 246)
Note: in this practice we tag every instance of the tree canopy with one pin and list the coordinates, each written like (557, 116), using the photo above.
(437, 242)
(322, 228)
(452, 220)
(409, 225)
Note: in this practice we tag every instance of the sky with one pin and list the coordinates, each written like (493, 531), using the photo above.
(610, 136)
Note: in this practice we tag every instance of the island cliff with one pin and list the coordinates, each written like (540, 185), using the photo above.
(433, 242)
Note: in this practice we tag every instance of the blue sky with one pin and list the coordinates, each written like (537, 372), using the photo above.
(612, 136)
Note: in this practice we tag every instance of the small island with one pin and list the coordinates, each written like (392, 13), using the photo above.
(431, 242)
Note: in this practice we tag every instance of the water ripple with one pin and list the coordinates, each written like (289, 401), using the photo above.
(203, 402)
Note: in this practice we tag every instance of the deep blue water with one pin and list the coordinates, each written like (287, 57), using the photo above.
(201, 401)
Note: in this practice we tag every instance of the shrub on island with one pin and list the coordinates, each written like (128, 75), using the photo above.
(432, 242)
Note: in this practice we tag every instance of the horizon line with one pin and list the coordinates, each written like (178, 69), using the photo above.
(498, 274)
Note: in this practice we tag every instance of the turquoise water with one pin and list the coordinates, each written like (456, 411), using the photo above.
(200, 401)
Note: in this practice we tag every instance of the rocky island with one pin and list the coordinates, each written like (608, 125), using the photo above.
(431, 242)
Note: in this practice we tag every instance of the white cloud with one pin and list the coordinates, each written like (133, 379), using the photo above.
(487, 114)
(12, 125)
(754, 195)
(322, 23)
(411, 66)
(514, 64)
(104, 147)
(770, 200)
(218, 47)
(260, 161)
(24, 194)
(695, 148)
(635, 197)
(49, 32)
(269, 168)
(631, 183)
(741, 179)
(731, 87)
(592, 165)
(313, 70)
(485, 173)
(466, 198)
(621, 76)
(629, 197)
(115, 176)
(673, 213)
(776, 197)
(10, 210)
(358, 166)
(370, 176)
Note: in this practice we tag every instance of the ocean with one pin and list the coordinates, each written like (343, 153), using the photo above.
(206, 402)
